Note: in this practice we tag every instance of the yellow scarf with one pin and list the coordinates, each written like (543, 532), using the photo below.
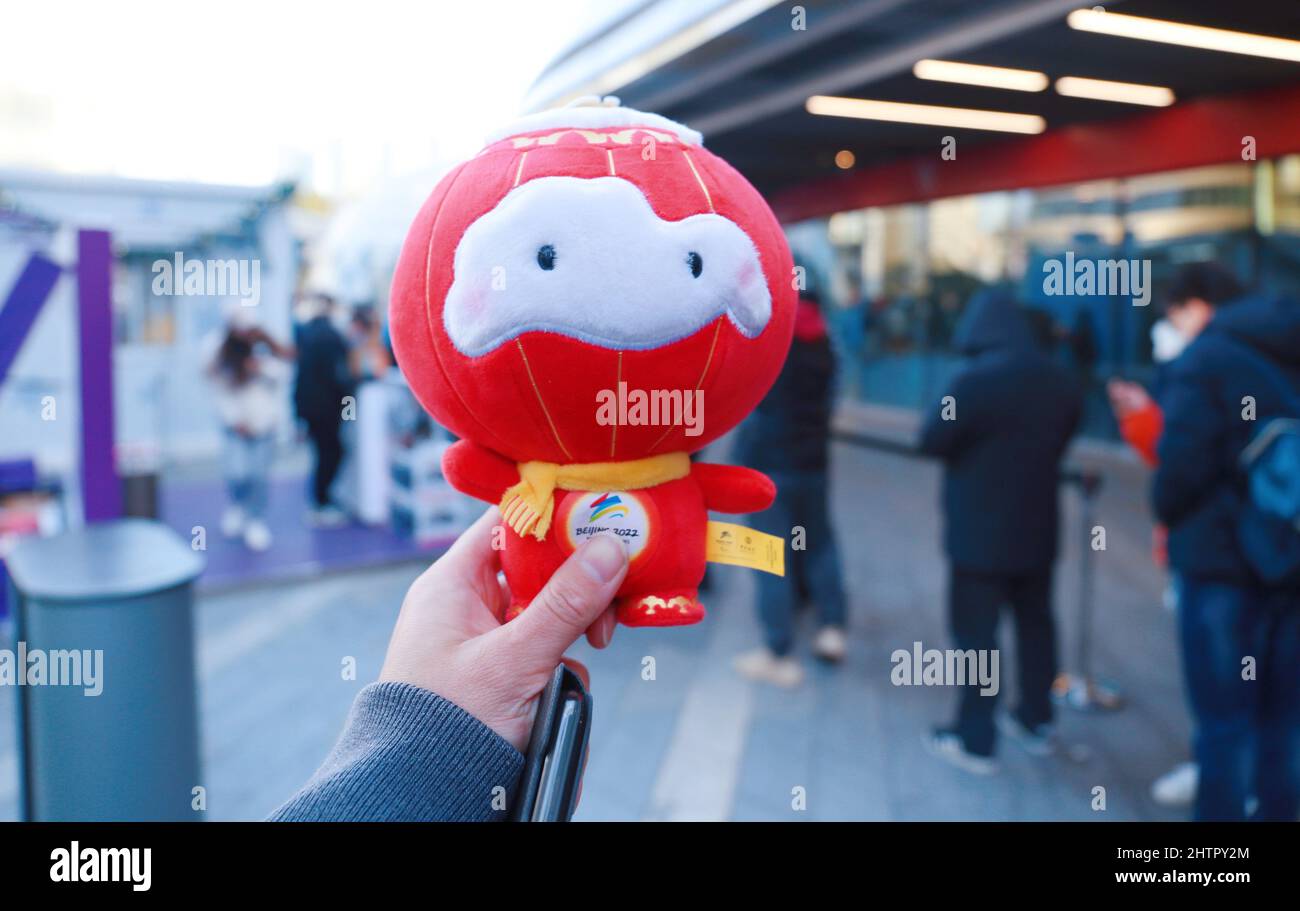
(527, 506)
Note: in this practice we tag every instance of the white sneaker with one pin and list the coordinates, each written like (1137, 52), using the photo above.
(1177, 787)
(1040, 742)
(257, 536)
(948, 746)
(232, 521)
(327, 517)
(762, 666)
(830, 644)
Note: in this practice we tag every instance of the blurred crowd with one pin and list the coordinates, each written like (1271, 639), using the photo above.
(330, 354)
(1220, 429)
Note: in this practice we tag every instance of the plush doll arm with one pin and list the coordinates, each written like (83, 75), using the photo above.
(730, 488)
(478, 471)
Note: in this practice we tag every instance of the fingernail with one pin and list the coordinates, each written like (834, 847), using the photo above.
(603, 557)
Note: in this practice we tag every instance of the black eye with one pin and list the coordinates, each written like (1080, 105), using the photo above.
(546, 257)
(696, 262)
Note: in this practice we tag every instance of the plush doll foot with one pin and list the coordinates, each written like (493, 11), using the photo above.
(677, 608)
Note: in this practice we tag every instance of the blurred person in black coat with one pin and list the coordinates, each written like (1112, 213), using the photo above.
(323, 380)
(1001, 432)
(788, 437)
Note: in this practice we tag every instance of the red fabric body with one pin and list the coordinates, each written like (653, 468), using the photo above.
(672, 561)
(534, 398)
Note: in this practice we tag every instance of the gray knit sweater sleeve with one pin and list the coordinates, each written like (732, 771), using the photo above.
(409, 755)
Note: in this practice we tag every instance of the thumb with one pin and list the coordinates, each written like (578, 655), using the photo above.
(576, 595)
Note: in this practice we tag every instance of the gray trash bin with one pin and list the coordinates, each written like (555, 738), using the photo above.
(121, 590)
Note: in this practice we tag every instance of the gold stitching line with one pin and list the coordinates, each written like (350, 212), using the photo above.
(610, 154)
(705, 372)
(519, 171)
(709, 359)
(538, 393)
(699, 180)
(428, 323)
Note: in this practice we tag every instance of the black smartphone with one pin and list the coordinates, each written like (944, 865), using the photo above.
(557, 752)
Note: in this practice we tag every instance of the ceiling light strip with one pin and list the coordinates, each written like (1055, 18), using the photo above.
(994, 77)
(1122, 25)
(1156, 96)
(924, 114)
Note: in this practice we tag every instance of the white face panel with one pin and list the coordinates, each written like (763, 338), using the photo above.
(621, 276)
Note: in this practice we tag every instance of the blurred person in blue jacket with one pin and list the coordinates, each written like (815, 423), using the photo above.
(788, 437)
(1001, 431)
(1240, 634)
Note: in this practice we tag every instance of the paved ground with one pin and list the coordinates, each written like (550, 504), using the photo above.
(298, 551)
(695, 742)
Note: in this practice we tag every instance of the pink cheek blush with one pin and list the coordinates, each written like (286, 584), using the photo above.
(476, 302)
(745, 275)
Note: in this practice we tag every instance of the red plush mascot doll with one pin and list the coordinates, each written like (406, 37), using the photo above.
(586, 302)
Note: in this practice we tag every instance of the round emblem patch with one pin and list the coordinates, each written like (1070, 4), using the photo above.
(624, 514)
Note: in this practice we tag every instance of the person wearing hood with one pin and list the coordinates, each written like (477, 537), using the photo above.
(1240, 635)
(788, 437)
(1001, 430)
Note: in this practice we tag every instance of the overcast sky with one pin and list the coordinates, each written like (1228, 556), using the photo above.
(248, 92)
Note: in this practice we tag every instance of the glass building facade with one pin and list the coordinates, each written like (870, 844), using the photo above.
(899, 277)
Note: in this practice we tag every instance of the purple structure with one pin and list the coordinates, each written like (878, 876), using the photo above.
(22, 307)
(100, 489)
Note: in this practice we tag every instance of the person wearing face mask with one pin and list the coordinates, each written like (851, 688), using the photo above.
(1136, 412)
(1240, 634)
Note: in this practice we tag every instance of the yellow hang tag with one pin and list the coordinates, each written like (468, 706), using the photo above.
(741, 546)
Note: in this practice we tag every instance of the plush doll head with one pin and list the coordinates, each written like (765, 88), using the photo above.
(583, 249)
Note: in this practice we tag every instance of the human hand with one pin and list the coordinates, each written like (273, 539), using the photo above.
(449, 638)
(1127, 397)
